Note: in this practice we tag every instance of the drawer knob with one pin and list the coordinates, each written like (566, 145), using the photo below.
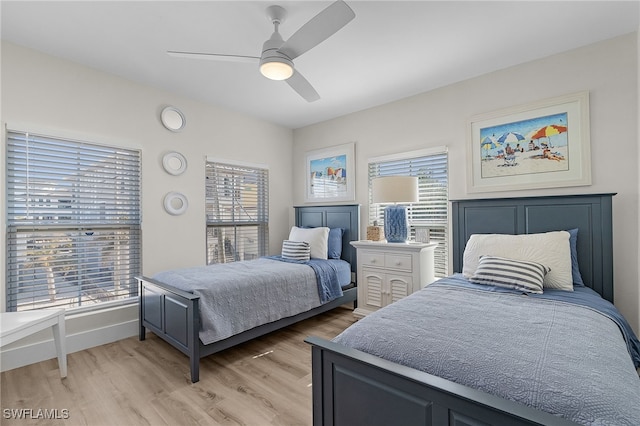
(398, 263)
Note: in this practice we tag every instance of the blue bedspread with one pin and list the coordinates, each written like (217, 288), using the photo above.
(326, 273)
(583, 296)
(586, 297)
(238, 296)
(561, 354)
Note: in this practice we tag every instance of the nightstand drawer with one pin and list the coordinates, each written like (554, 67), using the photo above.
(398, 261)
(371, 258)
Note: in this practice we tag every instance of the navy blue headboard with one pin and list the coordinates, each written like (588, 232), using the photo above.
(345, 216)
(591, 214)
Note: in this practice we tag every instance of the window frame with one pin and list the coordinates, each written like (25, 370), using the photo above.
(77, 218)
(237, 222)
(437, 230)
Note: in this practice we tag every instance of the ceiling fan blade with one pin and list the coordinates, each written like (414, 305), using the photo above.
(303, 87)
(318, 29)
(213, 56)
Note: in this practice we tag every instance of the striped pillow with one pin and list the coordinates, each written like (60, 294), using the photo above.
(296, 250)
(522, 275)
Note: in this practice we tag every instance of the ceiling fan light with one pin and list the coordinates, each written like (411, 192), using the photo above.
(276, 70)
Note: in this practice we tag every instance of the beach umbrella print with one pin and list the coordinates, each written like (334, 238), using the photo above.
(510, 137)
(548, 131)
(488, 143)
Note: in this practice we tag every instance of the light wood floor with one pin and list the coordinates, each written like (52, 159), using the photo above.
(266, 381)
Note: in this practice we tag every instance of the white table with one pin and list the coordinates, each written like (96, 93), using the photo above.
(17, 325)
(388, 272)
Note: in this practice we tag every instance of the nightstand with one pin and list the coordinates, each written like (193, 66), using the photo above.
(390, 271)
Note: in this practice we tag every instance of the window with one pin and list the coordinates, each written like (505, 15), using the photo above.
(428, 217)
(237, 212)
(73, 215)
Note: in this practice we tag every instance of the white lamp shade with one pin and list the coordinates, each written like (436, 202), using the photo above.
(395, 189)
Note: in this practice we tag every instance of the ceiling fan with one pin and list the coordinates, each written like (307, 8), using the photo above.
(276, 60)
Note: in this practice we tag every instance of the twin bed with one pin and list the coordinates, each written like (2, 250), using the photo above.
(462, 351)
(476, 348)
(251, 298)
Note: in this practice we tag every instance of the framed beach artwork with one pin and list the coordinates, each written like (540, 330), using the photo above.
(545, 144)
(330, 174)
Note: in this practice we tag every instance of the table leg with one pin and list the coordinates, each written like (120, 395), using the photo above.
(59, 337)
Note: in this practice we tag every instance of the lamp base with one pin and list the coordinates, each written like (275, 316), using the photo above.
(395, 224)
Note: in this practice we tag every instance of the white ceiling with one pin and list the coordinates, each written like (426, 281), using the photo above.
(391, 50)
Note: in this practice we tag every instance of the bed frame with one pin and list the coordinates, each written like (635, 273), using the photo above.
(174, 315)
(352, 387)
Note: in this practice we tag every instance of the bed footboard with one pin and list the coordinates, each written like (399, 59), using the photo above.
(351, 387)
(174, 316)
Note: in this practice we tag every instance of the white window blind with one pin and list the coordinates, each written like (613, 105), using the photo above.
(237, 212)
(73, 216)
(428, 217)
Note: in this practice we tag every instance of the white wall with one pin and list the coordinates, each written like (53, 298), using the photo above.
(608, 70)
(44, 94)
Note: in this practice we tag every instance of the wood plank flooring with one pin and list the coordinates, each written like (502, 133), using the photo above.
(266, 381)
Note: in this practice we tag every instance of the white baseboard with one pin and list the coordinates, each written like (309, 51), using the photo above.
(44, 350)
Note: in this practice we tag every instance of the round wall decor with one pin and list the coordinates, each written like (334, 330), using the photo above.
(175, 203)
(173, 119)
(174, 163)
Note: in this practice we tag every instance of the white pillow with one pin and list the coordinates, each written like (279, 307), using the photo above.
(550, 249)
(318, 239)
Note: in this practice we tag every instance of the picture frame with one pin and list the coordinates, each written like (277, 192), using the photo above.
(544, 144)
(330, 174)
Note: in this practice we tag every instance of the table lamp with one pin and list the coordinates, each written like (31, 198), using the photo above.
(395, 189)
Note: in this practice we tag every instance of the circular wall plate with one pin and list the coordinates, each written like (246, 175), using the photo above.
(175, 203)
(174, 163)
(173, 119)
